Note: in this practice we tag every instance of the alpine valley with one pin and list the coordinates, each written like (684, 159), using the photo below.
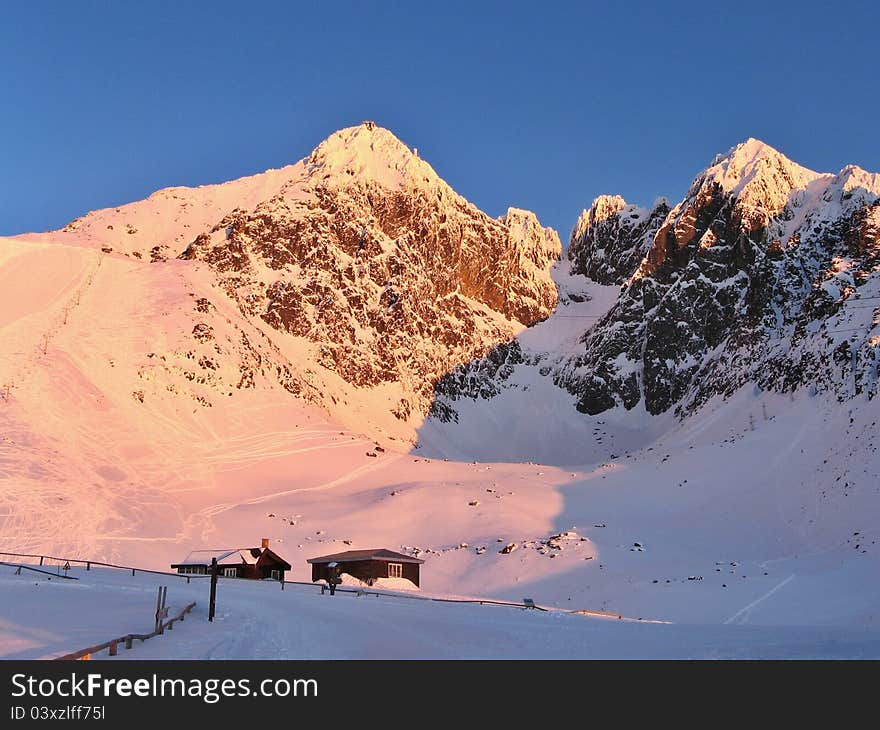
(673, 417)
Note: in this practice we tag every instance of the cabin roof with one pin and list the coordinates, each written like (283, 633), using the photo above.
(374, 554)
(224, 557)
(270, 557)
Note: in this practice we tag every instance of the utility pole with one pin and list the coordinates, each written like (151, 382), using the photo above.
(161, 610)
(213, 598)
(215, 569)
(855, 367)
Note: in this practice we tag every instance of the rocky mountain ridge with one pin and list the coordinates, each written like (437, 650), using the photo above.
(364, 280)
(765, 273)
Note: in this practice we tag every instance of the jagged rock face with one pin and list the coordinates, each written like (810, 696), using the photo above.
(749, 278)
(384, 269)
(482, 378)
(609, 240)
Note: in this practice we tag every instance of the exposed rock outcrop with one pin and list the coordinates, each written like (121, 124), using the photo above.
(389, 274)
(755, 276)
(609, 240)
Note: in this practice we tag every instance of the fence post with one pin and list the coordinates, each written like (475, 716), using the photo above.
(157, 623)
(88, 565)
(128, 642)
(112, 648)
(41, 560)
(212, 600)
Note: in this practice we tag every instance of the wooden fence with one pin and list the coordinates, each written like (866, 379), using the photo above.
(113, 645)
(22, 566)
(100, 564)
(526, 603)
(322, 586)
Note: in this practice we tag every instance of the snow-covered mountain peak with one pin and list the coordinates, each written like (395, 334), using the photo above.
(603, 207)
(526, 220)
(753, 171)
(853, 178)
(377, 270)
(368, 152)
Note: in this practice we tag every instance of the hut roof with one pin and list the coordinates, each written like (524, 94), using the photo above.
(374, 554)
(224, 557)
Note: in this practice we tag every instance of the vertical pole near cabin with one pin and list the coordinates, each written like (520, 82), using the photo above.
(855, 369)
(213, 599)
(163, 612)
(158, 609)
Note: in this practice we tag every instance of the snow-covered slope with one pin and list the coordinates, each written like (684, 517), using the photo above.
(726, 396)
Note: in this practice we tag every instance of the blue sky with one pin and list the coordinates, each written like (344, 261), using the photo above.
(536, 105)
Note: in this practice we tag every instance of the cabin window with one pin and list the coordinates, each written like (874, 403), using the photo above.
(395, 570)
(276, 575)
(230, 572)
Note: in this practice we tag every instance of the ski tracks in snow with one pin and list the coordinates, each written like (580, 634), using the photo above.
(742, 616)
(214, 510)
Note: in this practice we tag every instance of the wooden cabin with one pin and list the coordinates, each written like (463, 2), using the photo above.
(368, 565)
(252, 563)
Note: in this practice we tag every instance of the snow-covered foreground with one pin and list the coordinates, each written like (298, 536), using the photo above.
(44, 618)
